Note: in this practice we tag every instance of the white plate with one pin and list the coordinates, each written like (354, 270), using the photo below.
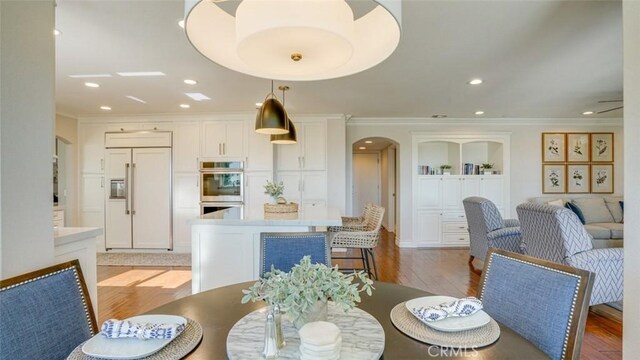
(127, 348)
(449, 324)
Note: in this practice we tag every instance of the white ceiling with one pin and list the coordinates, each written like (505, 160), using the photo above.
(539, 59)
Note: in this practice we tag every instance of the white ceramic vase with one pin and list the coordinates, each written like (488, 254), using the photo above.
(318, 312)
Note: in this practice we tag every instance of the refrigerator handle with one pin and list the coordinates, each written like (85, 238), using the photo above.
(126, 188)
(133, 179)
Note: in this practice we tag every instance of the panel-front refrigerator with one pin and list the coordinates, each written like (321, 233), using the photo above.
(138, 198)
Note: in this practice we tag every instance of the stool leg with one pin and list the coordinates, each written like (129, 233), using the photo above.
(365, 260)
(373, 259)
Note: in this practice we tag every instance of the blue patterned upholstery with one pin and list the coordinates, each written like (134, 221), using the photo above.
(284, 250)
(488, 229)
(556, 234)
(45, 314)
(545, 303)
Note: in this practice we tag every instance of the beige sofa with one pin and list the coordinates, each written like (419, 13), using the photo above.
(603, 215)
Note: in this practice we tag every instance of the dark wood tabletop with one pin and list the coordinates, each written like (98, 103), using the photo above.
(219, 309)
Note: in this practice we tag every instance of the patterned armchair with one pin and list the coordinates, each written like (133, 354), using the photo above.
(488, 229)
(556, 234)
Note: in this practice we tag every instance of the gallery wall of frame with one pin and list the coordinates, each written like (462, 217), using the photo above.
(577, 163)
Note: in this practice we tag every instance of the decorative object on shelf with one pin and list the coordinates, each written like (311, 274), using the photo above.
(486, 169)
(554, 179)
(578, 147)
(602, 178)
(601, 147)
(578, 178)
(446, 169)
(308, 286)
(554, 147)
(291, 137)
(294, 40)
(272, 117)
(275, 190)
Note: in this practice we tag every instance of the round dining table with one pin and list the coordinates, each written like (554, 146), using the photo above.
(219, 309)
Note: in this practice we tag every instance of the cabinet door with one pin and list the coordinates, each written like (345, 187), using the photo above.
(233, 143)
(213, 134)
(117, 210)
(289, 156)
(470, 187)
(292, 185)
(255, 197)
(427, 227)
(186, 194)
(91, 140)
(314, 155)
(311, 206)
(259, 155)
(429, 192)
(492, 188)
(186, 146)
(451, 192)
(314, 185)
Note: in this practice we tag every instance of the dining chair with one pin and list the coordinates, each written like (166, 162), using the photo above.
(547, 303)
(284, 250)
(355, 221)
(45, 314)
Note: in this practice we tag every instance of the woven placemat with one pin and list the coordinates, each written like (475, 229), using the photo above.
(176, 349)
(404, 321)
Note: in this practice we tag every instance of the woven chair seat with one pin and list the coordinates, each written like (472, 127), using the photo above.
(355, 239)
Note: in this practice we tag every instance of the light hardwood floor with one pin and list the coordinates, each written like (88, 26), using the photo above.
(126, 291)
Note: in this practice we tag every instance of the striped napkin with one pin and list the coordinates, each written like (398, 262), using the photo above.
(114, 329)
(457, 308)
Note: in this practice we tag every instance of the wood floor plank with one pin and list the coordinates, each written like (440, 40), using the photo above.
(125, 291)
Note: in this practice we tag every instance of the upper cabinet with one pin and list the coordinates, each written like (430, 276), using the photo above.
(186, 146)
(91, 140)
(259, 150)
(222, 140)
(310, 152)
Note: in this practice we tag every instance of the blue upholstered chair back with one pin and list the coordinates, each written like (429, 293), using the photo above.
(546, 303)
(551, 232)
(284, 250)
(45, 314)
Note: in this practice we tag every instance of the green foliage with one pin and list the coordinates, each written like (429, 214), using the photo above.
(445, 166)
(298, 290)
(487, 166)
(274, 190)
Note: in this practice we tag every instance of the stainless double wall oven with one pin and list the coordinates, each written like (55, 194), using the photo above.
(222, 185)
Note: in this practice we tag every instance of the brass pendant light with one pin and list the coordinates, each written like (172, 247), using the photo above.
(290, 137)
(272, 117)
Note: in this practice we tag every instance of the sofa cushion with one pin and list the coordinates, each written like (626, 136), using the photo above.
(598, 232)
(576, 210)
(616, 229)
(594, 210)
(613, 204)
(607, 243)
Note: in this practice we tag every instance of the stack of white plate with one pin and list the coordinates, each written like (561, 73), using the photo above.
(320, 340)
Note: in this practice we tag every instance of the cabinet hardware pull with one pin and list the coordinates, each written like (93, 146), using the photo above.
(101, 164)
(126, 188)
(303, 162)
(460, 227)
(219, 148)
(461, 239)
(102, 181)
(133, 192)
(224, 149)
(246, 162)
(460, 216)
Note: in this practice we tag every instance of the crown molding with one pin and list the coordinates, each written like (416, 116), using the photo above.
(179, 117)
(484, 121)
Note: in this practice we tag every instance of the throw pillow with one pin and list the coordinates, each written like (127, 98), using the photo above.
(613, 204)
(557, 202)
(594, 210)
(571, 206)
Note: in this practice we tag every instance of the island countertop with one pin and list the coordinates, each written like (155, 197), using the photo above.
(320, 216)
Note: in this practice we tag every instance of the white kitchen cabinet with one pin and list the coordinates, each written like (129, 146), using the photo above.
(310, 151)
(427, 228)
(186, 146)
(186, 206)
(222, 140)
(304, 186)
(254, 196)
(91, 149)
(259, 150)
(451, 192)
(429, 192)
(58, 218)
(492, 188)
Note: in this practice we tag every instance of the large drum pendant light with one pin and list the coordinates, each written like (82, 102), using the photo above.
(272, 117)
(290, 137)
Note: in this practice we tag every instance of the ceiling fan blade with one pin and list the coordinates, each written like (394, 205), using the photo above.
(612, 109)
(608, 101)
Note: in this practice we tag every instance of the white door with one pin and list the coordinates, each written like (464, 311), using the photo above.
(117, 207)
(391, 214)
(366, 181)
(151, 198)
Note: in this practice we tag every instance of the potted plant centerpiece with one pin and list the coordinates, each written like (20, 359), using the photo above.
(303, 292)
(486, 169)
(279, 209)
(446, 169)
(275, 191)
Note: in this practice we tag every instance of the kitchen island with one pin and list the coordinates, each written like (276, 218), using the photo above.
(226, 244)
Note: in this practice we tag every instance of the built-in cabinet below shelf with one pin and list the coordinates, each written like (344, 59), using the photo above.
(439, 218)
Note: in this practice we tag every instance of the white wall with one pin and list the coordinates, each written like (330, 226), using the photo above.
(631, 330)
(336, 162)
(26, 135)
(526, 154)
(67, 128)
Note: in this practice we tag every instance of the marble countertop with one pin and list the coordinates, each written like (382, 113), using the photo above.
(320, 216)
(64, 235)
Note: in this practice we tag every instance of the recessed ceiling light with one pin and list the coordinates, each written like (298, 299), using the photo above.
(190, 82)
(181, 23)
(198, 96)
(258, 104)
(56, 32)
(368, 142)
(185, 106)
(587, 113)
(92, 85)
(106, 108)
(88, 76)
(362, 148)
(480, 112)
(475, 82)
(136, 99)
(141, 73)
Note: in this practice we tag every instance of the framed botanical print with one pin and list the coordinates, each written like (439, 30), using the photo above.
(554, 179)
(578, 147)
(578, 178)
(602, 178)
(554, 147)
(601, 147)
